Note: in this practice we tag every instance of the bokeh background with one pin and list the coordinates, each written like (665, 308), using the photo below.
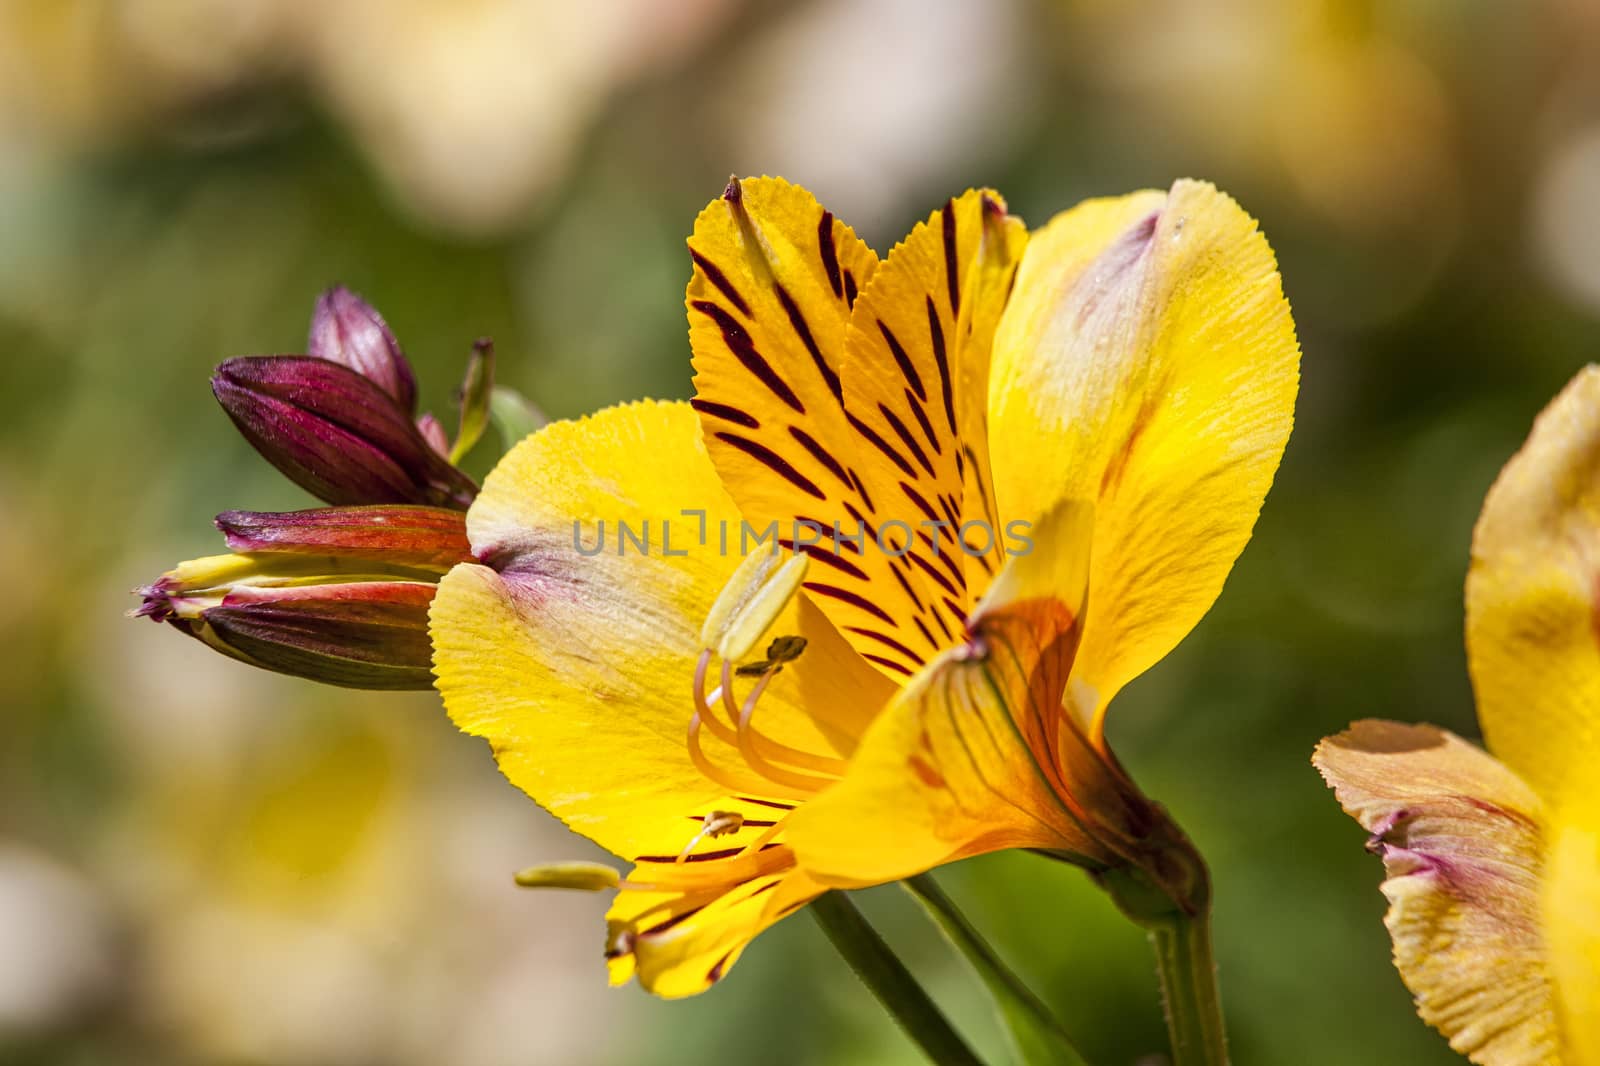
(201, 863)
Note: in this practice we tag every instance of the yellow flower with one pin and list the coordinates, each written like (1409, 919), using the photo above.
(923, 672)
(1493, 860)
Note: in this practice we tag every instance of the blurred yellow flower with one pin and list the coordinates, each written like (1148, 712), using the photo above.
(922, 673)
(1494, 859)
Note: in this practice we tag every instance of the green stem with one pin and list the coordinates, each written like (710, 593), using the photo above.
(1037, 1035)
(888, 979)
(1189, 989)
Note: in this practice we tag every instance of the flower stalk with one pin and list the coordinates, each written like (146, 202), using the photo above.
(1188, 974)
(1167, 892)
(887, 978)
(1036, 1035)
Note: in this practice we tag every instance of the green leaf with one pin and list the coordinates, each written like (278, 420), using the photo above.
(476, 389)
(514, 417)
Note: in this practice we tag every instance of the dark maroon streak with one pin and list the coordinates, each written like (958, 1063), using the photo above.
(775, 462)
(824, 554)
(820, 454)
(907, 370)
(803, 331)
(830, 254)
(928, 568)
(887, 641)
(744, 349)
(883, 446)
(890, 663)
(855, 479)
(715, 275)
(922, 504)
(927, 427)
(846, 596)
(950, 273)
(906, 438)
(936, 335)
(726, 412)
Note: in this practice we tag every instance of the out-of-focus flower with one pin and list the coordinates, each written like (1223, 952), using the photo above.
(870, 706)
(336, 594)
(57, 954)
(868, 153)
(1493, 860)
(439, 95)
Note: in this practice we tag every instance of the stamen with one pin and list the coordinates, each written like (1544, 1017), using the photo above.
(717, 824)
(586, 876)
(702, 704)
(751, 601)
(751, 744)
(733, 780)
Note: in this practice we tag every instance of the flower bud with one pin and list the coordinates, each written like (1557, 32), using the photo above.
(335, 433)
(348, 330)
(338, 595)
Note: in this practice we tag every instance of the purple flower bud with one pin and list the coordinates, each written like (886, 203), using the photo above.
(394, 536)
(349, 331)
(335, 433)
(338, 595)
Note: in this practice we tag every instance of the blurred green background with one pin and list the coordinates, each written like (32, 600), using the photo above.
(201, 863)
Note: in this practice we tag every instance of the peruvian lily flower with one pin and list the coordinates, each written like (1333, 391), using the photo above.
(337, 594)
(1493, 858)
(1004, 484)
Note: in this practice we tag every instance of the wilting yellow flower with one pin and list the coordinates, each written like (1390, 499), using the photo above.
(922, 674)
(1494, 859)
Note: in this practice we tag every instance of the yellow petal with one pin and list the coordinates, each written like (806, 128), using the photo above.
(1532, 643)
(1147, 361)
(1460, 838)
(679, 943)
(916, 386)
(1572, 926)
(578, 669)
(965, 758)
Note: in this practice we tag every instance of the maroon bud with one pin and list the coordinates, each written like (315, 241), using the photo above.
(335, 433)
(433, 538)
(338, 595)
(349, 331)
(369, 634)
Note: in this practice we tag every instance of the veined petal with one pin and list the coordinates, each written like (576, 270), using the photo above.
(579, 668)
(1533, 600)
(775, 277)
(1461, 841)
(1571, 902)
(916, 389)
(965, 759)
(679, 943)
(1146, 361)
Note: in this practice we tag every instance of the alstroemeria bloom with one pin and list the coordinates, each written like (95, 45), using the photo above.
(1493, 858)
(751, 732)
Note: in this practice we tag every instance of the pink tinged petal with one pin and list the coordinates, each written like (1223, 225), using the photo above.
(1462, 841)
(432, 538)
(334, 433)
(432, 431)
(347, 330)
